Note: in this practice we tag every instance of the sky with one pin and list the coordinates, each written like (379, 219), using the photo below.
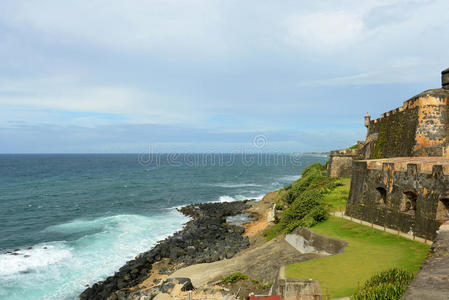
(109, 76)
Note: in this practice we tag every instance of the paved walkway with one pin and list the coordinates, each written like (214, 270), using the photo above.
(393, 231)
(432, 281)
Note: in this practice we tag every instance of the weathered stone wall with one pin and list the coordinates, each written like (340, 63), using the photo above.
(419, 128)
(403, 195)
(340, 162)
(306, 241)
(432, 281)
(395, 132)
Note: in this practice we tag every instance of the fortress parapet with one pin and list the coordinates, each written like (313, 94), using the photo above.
(340, 162)
(420, 127)
(408, 195)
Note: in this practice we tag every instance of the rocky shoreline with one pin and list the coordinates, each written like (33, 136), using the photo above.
(208, 237)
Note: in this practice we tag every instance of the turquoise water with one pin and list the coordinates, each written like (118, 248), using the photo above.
(77, 218)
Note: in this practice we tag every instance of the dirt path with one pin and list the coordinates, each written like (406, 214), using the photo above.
(257, 227)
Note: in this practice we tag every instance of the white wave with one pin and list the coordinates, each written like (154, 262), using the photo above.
(63, 270)
(99, 224)
(260, 197)
(234, 185)
(40, 256)
(290, 178)
(176, 207)
(226, 198)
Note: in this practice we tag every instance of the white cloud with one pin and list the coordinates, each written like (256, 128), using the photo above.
(400, 70)
(72, 95)
(323, 31)
(122, 25)
(213, 63)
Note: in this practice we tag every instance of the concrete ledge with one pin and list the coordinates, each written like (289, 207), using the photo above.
(306, 241)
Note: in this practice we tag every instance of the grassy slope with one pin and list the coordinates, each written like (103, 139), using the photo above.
(338, 197)
(369, 251)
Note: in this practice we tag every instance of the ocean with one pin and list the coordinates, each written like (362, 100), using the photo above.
(68, 221)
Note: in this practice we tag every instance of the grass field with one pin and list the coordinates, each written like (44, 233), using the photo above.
(339, 196)
(369, 251)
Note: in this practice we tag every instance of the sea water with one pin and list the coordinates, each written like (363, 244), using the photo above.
(67, 221)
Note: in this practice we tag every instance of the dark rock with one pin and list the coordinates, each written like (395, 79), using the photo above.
(121, 284)
(113, 297)
(168, 285)
(191, 250)
(206, 238)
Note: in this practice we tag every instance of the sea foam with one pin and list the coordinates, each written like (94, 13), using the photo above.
(235, 185)
(64, 268)
(40, 256)
(226, 198)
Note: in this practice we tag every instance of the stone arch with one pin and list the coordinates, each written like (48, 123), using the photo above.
(408, 202)
(381, 195)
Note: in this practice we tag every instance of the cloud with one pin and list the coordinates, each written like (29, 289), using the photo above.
(226, 66)
(402, 70)
(324, 31)
(130, 25)
(74, 95)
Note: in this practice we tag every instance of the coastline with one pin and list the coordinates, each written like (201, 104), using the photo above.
(206, 238)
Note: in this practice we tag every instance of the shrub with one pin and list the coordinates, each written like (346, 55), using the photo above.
(303, 203)
(387, 285)
(234, 278)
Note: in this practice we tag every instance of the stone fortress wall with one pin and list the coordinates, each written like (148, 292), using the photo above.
(418, 128)
(400, 178)
(340, 162)
(407, 194)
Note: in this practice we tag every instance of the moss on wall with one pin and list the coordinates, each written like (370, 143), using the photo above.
(396, 134)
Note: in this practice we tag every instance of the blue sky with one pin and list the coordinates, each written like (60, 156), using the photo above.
(209, 75)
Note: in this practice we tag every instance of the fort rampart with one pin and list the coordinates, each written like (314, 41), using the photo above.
(401, 177)
(419, 128)
(411, 195)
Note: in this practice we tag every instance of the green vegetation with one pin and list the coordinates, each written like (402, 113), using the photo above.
(303, 202)
(338, 197)
(369, 251)
(396, 135)
(306, 203)
(380, 145)
(234, 278)
(355, 146)
(387, 285)
(262, 286)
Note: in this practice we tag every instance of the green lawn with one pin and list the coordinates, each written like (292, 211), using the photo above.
(338, 197)
(369, 251)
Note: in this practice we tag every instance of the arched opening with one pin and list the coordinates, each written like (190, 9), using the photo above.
(443, 210)
(382, 195)
(408, 203)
